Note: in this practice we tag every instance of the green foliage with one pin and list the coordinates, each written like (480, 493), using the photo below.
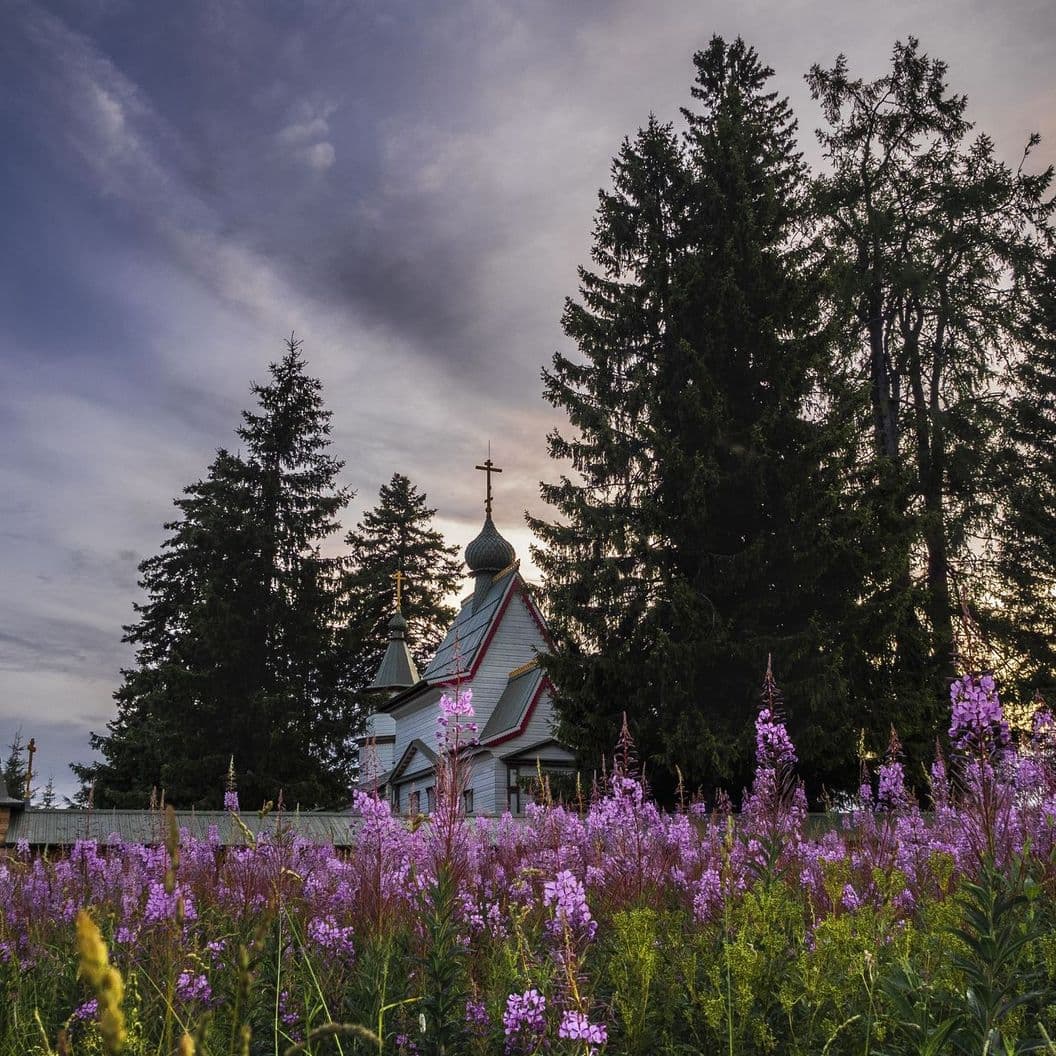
(707, 530)
(972, 970)
(443, 968)
(634, 967)
(397, 535)
(1025, 621)
(237, 650)
(930, 241)
(14, 772)
(989, 994)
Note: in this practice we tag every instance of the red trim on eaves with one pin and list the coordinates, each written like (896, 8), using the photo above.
(517, 586)
(465, 676)
(503, 738)
(533, 611)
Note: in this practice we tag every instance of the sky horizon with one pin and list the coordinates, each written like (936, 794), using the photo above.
(407, 186)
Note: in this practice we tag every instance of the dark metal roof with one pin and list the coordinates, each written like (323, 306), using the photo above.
(61, 828)
(512, 703)
(489, 552)
(465, 636)
(397, 669)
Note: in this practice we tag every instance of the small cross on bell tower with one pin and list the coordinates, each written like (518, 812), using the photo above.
(488, 468)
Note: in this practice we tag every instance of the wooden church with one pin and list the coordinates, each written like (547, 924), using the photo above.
(492, 649)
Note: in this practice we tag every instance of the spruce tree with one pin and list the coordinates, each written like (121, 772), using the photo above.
(704, 531)
(237, 644)
(397, 535)
(15, 767)
(1024, 623)
(929, 239)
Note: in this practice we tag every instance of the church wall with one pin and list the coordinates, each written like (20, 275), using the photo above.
(485, 783)
(515, 642)
(500, 783)
(417, 784)
(417, 722)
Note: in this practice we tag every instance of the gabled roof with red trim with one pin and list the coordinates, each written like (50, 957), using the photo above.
(466, 642)
(463, 644)
(512, 709)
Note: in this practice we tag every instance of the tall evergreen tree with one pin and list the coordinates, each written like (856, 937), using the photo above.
(704, 531)
(237, 644)
(1024, 622)
(930, 238)
(15, 767)
(397, 535)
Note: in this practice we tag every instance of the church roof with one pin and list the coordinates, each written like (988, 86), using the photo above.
(397, 669)
(521, 688)
(465, 637)
(417, 749)
(489, 552)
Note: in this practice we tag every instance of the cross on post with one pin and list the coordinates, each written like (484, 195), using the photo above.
(489, 467)
(399, 577)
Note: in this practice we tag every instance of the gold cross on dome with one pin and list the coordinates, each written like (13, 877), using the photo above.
(399, 577)
(489, 467)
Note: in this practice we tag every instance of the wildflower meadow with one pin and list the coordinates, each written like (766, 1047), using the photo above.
(599, 925)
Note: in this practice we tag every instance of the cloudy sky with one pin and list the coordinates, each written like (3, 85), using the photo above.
(407, 185)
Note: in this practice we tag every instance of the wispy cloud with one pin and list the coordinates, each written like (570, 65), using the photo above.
(409, 186)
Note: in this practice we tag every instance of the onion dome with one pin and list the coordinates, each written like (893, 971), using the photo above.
(489, 552)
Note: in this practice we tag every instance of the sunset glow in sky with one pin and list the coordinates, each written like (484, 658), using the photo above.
(408, 186)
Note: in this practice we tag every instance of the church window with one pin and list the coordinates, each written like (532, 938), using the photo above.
(467, 801)
(415, 806)
(430, 799)
(513, 790)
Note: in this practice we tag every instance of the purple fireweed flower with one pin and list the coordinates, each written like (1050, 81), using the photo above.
(524, 1021)
(707, 897)
(329, 936)
(456, 707)
(773, 746)
(406, 1047)
(576, 1027)
(161, 904)
(477, 1016)
(193, 987)
(231, 800)
(286, 1014)
(454, 725)
(891, 787)
(89, 1010)
(977, 721)
(850, 899)
(565, 894)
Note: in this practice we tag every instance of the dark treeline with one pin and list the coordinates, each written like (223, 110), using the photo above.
(813, 415)
(252, 644)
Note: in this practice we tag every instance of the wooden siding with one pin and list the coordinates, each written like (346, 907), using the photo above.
(417, 722)
(514, 641)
